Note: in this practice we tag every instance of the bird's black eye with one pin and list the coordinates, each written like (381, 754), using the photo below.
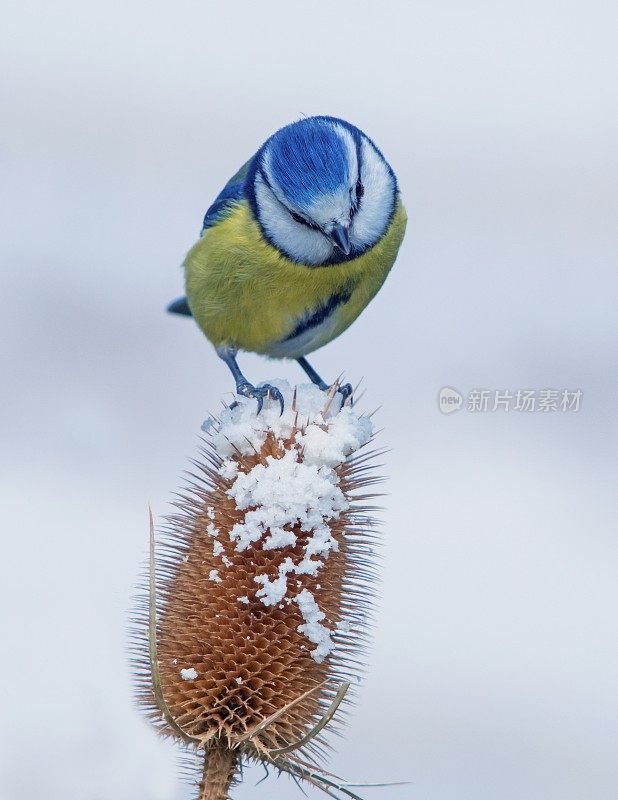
(306, 222)
(359, 191)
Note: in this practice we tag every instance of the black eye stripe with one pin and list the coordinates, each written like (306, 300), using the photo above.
(307, 223)
(359, 191)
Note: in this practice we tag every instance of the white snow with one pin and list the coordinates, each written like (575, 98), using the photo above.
(188, 674)
(217, 548)
(229, 469)
(279, 538)
(209, 424)
(312, 628)
(272, 592)
(344, 434)
(243, 430)
(213, 575)
(298, 490)
(283, 493)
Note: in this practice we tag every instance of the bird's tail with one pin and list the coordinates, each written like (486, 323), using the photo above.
(179, 306)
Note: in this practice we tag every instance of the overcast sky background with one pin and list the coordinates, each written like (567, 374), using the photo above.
(495, 661)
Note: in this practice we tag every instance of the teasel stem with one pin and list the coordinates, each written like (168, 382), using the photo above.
(219, 770)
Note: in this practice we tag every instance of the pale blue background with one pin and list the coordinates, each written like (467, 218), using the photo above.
(494, 669)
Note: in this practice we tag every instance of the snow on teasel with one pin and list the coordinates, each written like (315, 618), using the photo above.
(264, 580)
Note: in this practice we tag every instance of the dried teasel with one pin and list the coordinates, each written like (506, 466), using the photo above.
(255, 615)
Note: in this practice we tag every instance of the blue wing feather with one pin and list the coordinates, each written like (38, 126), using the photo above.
(232, 192)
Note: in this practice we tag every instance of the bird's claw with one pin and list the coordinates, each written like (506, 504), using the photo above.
(345, 390)
(259, 393)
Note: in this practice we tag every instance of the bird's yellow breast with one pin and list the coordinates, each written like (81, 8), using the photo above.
(242, 291)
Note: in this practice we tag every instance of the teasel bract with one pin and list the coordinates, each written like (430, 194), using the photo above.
(254, 618)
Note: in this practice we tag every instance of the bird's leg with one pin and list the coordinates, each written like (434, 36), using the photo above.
(228, 354)
(345, 389)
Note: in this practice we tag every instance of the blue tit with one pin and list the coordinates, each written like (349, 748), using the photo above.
(294, 247)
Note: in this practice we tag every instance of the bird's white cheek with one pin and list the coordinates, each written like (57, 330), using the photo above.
(293, 238)
(376, 206)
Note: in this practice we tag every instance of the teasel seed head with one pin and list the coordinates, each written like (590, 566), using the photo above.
(256, 613)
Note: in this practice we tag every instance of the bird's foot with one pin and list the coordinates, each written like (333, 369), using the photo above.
(345, 390)
(247, 389)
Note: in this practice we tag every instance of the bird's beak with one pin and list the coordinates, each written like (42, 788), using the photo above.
(340, 237)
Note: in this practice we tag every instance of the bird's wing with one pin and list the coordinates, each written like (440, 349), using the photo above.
(232, 192)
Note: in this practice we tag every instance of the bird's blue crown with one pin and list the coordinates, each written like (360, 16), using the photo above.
(309, 158)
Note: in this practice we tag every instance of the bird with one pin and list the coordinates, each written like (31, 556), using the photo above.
(294, 247)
